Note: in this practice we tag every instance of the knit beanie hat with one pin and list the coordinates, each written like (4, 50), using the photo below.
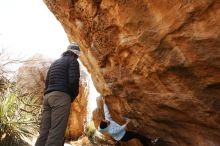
(73, 47)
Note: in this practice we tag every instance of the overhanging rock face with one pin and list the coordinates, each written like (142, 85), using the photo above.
(156, 61)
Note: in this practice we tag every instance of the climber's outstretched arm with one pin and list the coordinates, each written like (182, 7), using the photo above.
(106, 111)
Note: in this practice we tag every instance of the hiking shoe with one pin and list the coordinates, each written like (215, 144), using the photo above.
(154, 141)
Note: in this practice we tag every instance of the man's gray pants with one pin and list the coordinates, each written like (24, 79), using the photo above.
(56, 108)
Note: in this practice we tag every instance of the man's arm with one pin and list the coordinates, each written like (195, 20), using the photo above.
(122, 127)
(127, 121)
(106, 111)
(74, 75)
(47, 80)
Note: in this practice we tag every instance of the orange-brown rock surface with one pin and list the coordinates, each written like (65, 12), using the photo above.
(31, 78)
(78, 113)
(156, 61)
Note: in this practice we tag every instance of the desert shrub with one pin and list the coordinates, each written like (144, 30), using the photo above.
(19, 117)
(90, 131)
(19, 113)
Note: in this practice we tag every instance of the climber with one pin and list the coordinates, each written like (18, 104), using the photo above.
(118, 132)
(61, 88)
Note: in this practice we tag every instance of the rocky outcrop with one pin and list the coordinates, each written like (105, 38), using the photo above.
(79, 110)
(31, 78)
(156, 62)
(32, 75)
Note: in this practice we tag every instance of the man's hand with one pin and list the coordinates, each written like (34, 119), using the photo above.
(127, 121)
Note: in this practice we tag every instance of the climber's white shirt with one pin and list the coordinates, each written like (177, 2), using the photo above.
(117, 131)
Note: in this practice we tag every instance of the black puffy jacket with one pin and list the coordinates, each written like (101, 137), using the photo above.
(63, 75)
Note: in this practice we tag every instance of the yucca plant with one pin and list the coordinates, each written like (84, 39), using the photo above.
(19, 117)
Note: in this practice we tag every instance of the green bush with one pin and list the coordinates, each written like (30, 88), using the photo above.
(19, 117)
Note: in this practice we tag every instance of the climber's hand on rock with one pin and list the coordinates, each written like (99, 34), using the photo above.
(127, 121)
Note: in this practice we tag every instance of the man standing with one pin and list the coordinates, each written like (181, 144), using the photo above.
(61, 88)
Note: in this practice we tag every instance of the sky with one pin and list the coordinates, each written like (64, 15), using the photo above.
(28, 27)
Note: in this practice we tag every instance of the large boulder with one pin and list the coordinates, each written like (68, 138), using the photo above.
(32, 74)
(156, 61)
